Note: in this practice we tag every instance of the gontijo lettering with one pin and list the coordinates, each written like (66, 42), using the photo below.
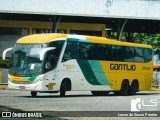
(125, 67)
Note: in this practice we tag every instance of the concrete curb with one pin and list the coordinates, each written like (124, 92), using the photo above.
(4, 87)
(155, 89)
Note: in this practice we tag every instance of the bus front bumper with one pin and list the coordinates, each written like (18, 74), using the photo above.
(38, 86)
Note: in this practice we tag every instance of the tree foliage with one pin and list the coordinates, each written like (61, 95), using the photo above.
(150, 39)
(142, 38)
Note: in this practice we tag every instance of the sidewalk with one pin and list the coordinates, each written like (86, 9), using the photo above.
(4, 87)
(155, 89)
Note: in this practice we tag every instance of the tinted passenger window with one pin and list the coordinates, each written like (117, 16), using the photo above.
(128, 54)
(71, 51)
(89, 51)
(84, 50)
(139, 55)
(147, 55)
(58, 45)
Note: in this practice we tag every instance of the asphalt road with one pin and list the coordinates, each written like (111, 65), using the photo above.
(77, 101)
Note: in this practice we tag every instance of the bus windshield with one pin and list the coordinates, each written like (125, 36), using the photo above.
(25, 59)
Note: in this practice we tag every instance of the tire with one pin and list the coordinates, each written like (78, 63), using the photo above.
(133, 88)
(117, 92)
(100, 93)
(63, 89)
(33, 93)
(95, 93)
(124, 88)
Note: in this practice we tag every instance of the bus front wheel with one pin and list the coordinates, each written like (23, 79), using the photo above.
(63, 89)
(33, 93)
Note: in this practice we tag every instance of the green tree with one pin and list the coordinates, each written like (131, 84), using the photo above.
(142, 38)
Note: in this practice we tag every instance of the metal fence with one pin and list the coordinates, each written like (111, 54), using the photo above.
(3, 76)
(156, 79)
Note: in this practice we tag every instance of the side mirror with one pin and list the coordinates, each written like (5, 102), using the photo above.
(43, 52)
(5, 51)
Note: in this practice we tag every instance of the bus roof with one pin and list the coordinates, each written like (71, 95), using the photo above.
(115, 42)
(40, 38)
(45, 38)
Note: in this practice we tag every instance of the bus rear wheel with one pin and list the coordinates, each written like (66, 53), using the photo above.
(100, 93)
(33, 93)
(117, 92)
(124, 88)
(133, 88)
(63, 89)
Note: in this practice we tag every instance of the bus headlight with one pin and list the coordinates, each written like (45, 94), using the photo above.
(9, 79)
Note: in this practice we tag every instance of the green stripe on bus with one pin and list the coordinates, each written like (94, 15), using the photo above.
(30, 78)
(84, 40)
(77, 40)
(98, 72)
(72, 39)
(88, 72)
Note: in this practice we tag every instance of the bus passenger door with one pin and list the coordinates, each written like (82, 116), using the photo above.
(49, 69)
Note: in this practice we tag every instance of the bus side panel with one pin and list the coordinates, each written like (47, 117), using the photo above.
(149, 75)
(115, 74)
(148, 81)
(144, 80)
(70, 70)
(104, 75)
(143, 74)
(94, 75)
(84, 75)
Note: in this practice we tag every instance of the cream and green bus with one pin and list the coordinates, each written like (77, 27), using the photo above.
(54, 63)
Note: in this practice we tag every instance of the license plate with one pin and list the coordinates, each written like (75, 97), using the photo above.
(22, 87)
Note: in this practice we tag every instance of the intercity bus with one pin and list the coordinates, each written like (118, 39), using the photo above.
(62, 62)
